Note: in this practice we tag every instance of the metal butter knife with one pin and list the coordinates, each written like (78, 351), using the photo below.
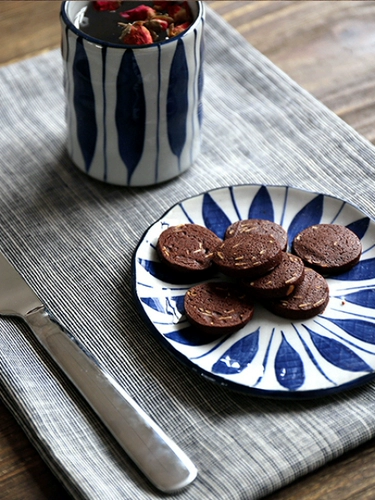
(157, 456)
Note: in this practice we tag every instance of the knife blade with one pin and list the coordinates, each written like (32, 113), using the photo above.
(155, 454)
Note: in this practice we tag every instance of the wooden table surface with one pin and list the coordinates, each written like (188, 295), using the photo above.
(329, 49)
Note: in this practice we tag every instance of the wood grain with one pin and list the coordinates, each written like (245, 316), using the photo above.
(23, 474)
(326, 47)
(329, 49)
(27, 29)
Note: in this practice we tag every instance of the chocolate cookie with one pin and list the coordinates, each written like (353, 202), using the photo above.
(187, 247)
(218, 308)
(281, 281)
(328, 248)
(259, 226)
(248, 256)
(309, 298)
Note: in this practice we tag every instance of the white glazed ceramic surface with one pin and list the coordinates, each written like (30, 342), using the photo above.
(270, 356)
(133, 112)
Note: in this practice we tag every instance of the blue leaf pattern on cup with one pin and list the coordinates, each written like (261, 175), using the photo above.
(262, 207)
(201, 80)
(130, 112)
(289, 367)
(338, 354)
(238, 356)
(84, 104)
(134, 115)
(177, 107)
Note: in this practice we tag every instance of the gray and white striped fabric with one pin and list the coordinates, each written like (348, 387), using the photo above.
(72, 239)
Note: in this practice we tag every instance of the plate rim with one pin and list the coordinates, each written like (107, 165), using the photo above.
(217, 379)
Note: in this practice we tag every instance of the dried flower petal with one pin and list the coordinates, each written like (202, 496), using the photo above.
(164, 21)
(180, 12)
(164, 24)
(140, 13)
(144, 24)
(156, 26)
(106, 5)
(136, 34)
(177, 30)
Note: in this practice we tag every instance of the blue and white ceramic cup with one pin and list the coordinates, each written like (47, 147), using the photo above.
(134, 113)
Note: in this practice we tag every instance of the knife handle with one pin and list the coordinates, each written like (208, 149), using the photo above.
(156, 455)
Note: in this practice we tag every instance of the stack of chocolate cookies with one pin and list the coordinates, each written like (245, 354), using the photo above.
(254, 259)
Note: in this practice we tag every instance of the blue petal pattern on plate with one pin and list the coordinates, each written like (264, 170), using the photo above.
(289, 367)
(338, 354)
(261, 206)
(214, 217)
(239, 355)
(270, 356)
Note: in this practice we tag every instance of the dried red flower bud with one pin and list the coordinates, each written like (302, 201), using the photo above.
(140, 13)
(106, 5)
(180, 12)
(177, 30)
(136, 34)
(155, 26)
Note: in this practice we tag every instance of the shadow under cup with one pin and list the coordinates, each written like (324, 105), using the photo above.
(134, 113)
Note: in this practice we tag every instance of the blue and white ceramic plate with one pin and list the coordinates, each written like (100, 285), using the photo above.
(270, 356)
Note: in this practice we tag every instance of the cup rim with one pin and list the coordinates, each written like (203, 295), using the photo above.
(104, 43)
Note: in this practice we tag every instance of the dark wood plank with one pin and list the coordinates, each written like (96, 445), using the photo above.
(350, 477)
(329, 49)
(28, 28)
(23, 474)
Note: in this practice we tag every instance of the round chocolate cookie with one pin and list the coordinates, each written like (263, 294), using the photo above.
(187, 247)
(309, 298)
(328, 248)
(248, 256)
(218, 308)
(281, 281)
(260, 226)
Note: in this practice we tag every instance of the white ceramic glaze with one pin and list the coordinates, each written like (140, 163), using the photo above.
(134, 113)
